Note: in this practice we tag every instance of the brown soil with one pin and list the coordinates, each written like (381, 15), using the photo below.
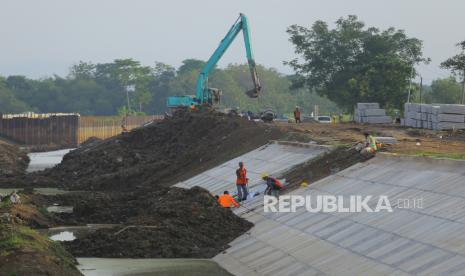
(323, 166)
(13, 161)
(167, 223)
(160, 154)
(431, 142)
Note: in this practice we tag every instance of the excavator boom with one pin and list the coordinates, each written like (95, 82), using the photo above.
(204, 94)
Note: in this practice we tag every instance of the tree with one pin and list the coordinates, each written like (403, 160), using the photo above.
(457, 65)
(352, 63)
(189, 65)
(160, 87)
(447, 91)
(82, 70)
(8, 102)
(126, 77)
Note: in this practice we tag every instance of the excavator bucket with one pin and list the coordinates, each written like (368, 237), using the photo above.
(253, 93)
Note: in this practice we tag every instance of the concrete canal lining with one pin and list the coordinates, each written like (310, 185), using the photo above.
(425, 240)
(274, 158)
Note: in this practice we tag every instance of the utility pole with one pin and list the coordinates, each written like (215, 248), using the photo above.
(410, 85)
(421, 86)
(127, 98)
(463, 86)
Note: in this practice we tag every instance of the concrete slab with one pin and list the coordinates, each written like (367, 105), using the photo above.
(274, 158)
(373, 112)
(377, 120)
(451, 118)
(449, 125)
(386, 140)
(361, 106)
(452, 108)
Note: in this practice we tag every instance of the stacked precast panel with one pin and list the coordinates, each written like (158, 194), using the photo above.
(371, 113)
(434, 116)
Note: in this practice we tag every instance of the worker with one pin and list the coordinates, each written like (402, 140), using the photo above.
(241, 182)
(124, 123)
(273, 185)
(192, 107)
(369, 147)
(227, 201)
(297, 115)
(370, 141)
(14, 198)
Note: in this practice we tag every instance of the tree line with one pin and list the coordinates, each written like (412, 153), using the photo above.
(125, 85)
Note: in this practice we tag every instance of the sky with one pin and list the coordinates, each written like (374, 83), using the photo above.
(43, 38)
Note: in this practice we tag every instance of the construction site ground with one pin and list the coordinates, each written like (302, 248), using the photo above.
(410, 141)
(126, 179)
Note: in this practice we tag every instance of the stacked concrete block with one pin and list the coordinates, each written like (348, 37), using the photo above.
(370, 113)
(435, 116)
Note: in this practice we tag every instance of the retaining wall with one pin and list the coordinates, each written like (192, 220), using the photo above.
(67, 130)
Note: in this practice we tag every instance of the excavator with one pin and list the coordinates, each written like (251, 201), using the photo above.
(211, 96)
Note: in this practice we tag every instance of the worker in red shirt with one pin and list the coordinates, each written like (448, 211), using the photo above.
(273, 185)
(297, 115)
(241, 182)
(227, 200)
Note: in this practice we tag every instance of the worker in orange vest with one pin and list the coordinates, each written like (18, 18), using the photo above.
(227, 200)
(192, 107)
(241, 182)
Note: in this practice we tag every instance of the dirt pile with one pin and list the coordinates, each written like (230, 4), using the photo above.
(167, 223)
(91, 141)
(331, 162)
(160, 154)
(13, 161)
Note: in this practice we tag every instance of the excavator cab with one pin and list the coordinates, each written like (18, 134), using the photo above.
(215, 95)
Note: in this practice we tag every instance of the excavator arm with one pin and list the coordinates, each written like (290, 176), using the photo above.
(206, 95)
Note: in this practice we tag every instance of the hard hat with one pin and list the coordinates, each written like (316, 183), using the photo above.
(263, 174)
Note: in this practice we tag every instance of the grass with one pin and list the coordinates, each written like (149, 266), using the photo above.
(450, 155)
(5, 202)
(18, 237)
(43, 211)
(14, 237)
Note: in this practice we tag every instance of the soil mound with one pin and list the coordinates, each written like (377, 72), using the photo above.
(329, 163)
(162, 153)
(167, 223)
(92, 141)
(13, 161)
